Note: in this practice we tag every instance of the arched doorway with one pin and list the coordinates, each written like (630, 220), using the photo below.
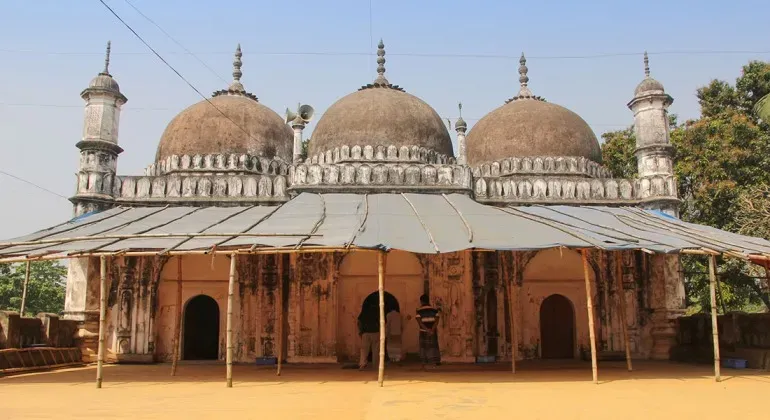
(201, 329)
(371, 307)
(557, 328)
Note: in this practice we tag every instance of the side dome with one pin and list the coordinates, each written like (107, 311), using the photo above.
(527, 126)
(531, 128)
(381, 114)
(231, 122)
(246, 127)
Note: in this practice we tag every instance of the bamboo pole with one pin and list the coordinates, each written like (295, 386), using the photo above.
(381, 293)
(284, 267)
(714, 329)
(102, 316)
(178, 320)
(24, 290)
(156, 235)
(622, 304)
(230, 292)
(590, 304)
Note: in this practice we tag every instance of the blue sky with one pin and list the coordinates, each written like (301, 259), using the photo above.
(49, 50)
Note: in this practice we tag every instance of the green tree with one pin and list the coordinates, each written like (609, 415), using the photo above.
(618, 152)
(45, 291)
(722, 164)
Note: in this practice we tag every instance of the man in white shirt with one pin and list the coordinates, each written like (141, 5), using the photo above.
(393, 330)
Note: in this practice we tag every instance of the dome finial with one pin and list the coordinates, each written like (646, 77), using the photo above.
(381, 80)
(107, 59)
(237, 73)
(646, 65)
(524, 91)
(460, 125)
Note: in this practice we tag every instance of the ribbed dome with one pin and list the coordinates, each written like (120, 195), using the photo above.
(202, 129)
(530, 127)
(648, 85)
(104, 81)
(380, 114)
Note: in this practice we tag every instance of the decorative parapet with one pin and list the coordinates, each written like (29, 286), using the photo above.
(380, 177)
(569, 190)
(220, 189)
(391, 154)
(217, 163)
(542, 165)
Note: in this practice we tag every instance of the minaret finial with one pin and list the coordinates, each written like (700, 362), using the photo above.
(381, 80)
(461, 125)
(107, 58)
(646, 65)
(237, 73)
(524, 91)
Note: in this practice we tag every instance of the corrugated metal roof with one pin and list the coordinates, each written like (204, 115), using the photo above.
(420, 223)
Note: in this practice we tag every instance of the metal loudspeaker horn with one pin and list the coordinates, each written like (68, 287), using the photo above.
(304, 113)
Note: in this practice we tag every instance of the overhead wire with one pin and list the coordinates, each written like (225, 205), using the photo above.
(173, 109)
(411, 54)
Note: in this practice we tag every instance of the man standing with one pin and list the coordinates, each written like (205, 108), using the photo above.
(393, 329)
(369, 331)
(427, 319)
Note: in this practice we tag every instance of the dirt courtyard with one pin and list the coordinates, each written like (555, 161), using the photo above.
(537, 391)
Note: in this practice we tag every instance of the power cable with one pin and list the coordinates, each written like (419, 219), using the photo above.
(172, 109)
(408, 54)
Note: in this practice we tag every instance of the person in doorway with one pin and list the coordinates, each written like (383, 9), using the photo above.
(427, 319)
(369, 331)
(393, 330)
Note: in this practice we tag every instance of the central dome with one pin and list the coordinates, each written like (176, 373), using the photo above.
(527, 126)
(380, 114)
(232, 122)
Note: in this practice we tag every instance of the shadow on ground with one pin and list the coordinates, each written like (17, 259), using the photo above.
(529, 371)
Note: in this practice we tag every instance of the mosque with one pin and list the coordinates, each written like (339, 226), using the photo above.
(231, 150)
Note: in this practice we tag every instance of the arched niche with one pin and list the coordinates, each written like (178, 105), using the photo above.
(358, 279)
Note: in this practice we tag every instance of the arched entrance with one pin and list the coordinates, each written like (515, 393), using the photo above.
(201, 329)
(557, 328)
(371, 307)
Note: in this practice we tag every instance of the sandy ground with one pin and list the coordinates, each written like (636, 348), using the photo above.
(538, 391)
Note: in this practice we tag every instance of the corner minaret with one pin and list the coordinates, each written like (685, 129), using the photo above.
(461, 127)
(99, 148)
(654, 152)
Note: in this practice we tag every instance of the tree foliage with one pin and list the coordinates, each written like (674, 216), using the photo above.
(722, 164)
(45, 291)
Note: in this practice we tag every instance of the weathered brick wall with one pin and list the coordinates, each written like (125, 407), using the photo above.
(741, 335)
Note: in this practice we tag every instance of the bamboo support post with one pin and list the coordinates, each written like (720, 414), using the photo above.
(178, 320)
(590, 304)
(230, 292)
(102, 316)
(714, 329)
(622, 307)
(381, 293)
(24, 290)
(511, 282)
(279, 353)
